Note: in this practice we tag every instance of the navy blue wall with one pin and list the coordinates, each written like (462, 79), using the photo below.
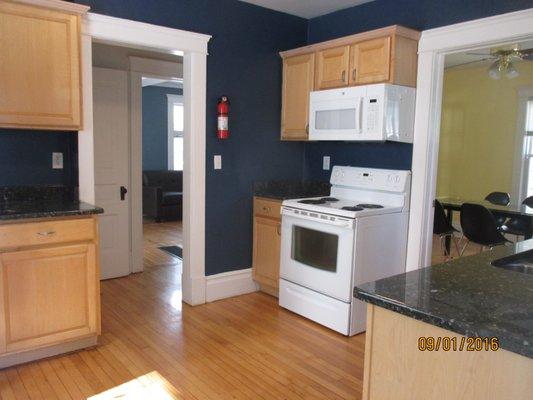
(155, 126)
(26, 157)
(417, 14)
(243, 64)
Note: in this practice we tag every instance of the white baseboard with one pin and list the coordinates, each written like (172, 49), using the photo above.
(229, 284)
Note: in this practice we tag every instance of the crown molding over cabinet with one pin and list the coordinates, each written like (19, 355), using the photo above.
(382, 55)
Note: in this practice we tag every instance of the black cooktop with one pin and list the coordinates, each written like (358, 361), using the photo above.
(323, 200)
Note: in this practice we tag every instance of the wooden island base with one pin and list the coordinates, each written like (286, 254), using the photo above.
(395, 368)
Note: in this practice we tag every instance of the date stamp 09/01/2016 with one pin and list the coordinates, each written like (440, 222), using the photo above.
(453, 343)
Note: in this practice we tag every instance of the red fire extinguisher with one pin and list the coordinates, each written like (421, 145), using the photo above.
(222, 114)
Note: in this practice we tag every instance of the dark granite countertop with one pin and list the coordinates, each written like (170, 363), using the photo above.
(27, 202)
(287, 189)
(468, 296)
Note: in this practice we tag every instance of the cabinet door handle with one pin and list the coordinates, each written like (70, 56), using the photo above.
(353, 74)
(343, 75)
(307, 129)
(278, 230)
(46, 233)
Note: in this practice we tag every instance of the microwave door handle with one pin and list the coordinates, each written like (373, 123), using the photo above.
(359, 118)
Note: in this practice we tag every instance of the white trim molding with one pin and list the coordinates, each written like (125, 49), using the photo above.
(433, 46)
(193, 47)
(142, 35)
(229, 284)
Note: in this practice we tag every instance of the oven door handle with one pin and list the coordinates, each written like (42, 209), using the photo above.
(340, 222)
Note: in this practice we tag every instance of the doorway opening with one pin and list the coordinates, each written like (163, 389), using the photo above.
(129, 86)
(485, 148)
(435, 46)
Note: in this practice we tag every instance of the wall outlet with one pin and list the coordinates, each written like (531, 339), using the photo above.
(217, 160)
(57, 160)
(325, 163)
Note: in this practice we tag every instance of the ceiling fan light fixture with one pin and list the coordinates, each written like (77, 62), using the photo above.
(511, 71)
(494, 70)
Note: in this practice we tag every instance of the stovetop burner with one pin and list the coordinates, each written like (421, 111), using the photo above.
(312, 201)
(370, 205)
(352, 208)
(330, 199)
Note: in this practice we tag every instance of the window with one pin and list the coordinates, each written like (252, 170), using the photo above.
(175, 132)
(527, 174)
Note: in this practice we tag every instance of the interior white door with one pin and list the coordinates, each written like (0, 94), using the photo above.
(112, 160)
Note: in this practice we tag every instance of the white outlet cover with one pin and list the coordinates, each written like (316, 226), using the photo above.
(57, 160)
(326, 163)
(217, 160)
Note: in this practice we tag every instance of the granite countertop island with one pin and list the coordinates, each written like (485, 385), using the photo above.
(287, 189)
(468, 296)
(30, 202)
(458, 330)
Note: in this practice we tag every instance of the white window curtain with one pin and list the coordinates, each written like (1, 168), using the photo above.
(527, 182)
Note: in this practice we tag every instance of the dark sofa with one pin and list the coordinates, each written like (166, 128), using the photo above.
(163, 195)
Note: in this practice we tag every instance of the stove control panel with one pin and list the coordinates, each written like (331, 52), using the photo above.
(371, 178)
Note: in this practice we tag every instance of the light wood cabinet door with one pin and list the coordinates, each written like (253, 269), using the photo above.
(298, 77)
(47, 296)
(370, 61)
(332, 68)
(267, 241)
(40, 85)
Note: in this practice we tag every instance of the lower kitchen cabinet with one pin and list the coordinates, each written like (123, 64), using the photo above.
(49, 293)
(266, 244)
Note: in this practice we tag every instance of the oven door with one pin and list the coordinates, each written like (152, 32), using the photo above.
(317, 252)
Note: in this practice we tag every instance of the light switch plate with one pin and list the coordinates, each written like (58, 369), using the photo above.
(57, 160)
(218, 161)
(325, 162)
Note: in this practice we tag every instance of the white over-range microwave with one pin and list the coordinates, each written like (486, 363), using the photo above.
(363, 113)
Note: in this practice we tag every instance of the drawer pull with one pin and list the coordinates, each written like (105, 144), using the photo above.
(266, 209)
(46, 233)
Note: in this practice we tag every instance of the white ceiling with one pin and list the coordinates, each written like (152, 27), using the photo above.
(307, 8)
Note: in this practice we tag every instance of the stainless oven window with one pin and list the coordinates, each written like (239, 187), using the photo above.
(315, 248)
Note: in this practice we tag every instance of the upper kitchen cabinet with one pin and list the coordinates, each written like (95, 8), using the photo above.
(386, 55)
(332, 68)
(298, 77)
(370, 61)
(40, 78)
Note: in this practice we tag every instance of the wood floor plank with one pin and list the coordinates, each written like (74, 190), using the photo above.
(241, 348)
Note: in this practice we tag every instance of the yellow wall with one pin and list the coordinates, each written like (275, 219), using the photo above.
(478, 132)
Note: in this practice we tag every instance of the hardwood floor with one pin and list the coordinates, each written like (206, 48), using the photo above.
(154, 347)
(160, 234)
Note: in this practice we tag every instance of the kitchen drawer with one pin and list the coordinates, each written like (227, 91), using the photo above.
(267, 208)
(46, 232)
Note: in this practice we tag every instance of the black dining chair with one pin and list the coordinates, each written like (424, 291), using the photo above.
(479, 227)
(443, 228)
(499, 199)
(518, 226)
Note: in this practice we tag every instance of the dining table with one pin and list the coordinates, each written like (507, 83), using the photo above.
(512, 210)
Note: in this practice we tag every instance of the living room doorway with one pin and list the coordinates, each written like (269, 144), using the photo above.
(162, 170)
(134, 89)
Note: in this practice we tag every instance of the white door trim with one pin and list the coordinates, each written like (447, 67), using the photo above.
(433, 46)
(193, 46)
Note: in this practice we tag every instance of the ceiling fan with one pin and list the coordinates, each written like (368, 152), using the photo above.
(504, 60)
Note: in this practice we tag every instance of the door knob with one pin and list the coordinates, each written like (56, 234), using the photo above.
(123, 192)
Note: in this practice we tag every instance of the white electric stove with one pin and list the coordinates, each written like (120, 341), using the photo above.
(330, 244)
